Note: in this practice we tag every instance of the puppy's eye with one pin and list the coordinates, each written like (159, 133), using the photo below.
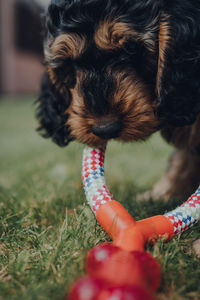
(66, 74)
(81, 65)
(130, 48)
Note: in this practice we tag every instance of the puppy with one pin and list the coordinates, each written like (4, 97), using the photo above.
(124, 69)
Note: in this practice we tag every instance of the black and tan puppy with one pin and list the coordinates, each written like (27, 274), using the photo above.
(123, 69)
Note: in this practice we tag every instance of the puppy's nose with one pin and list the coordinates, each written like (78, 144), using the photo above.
(107, 131)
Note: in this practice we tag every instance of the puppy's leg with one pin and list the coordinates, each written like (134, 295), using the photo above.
(183, 174)
(181, 179)
(196, 247)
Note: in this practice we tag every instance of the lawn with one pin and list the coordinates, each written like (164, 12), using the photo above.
(46, 227)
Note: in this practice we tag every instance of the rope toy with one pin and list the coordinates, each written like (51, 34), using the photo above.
(123, 270)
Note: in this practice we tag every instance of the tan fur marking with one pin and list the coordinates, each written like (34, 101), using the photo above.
(67, 46)
(112, 34)
(136, 106)
(52, 75)
(164, 43)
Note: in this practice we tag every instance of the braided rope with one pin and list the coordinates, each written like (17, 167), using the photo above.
(97, 194)
(93, 178)
(186, 215)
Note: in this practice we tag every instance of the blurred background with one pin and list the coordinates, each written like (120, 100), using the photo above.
(21, 45)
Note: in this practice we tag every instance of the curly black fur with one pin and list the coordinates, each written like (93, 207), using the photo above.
(51, 113)
(178, 102)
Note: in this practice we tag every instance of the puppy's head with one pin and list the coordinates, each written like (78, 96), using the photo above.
(102, 57)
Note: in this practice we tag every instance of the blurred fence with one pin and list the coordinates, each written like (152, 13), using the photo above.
(21, 45)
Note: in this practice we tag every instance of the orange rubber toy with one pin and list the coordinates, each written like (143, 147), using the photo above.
(123, 270)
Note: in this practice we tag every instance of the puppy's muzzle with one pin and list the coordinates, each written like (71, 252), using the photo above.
(107, 131)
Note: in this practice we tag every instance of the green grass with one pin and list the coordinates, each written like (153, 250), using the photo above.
(46, 227)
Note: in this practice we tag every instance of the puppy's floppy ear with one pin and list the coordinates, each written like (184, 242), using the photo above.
(51, 113)
(178, 76)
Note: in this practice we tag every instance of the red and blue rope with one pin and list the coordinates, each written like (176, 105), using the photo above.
(97, 194)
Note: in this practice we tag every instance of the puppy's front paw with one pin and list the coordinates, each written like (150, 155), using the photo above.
(163, 190)
(143, 196)
(196, 247)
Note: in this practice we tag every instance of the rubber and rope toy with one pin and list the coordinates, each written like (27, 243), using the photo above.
(122, 270)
